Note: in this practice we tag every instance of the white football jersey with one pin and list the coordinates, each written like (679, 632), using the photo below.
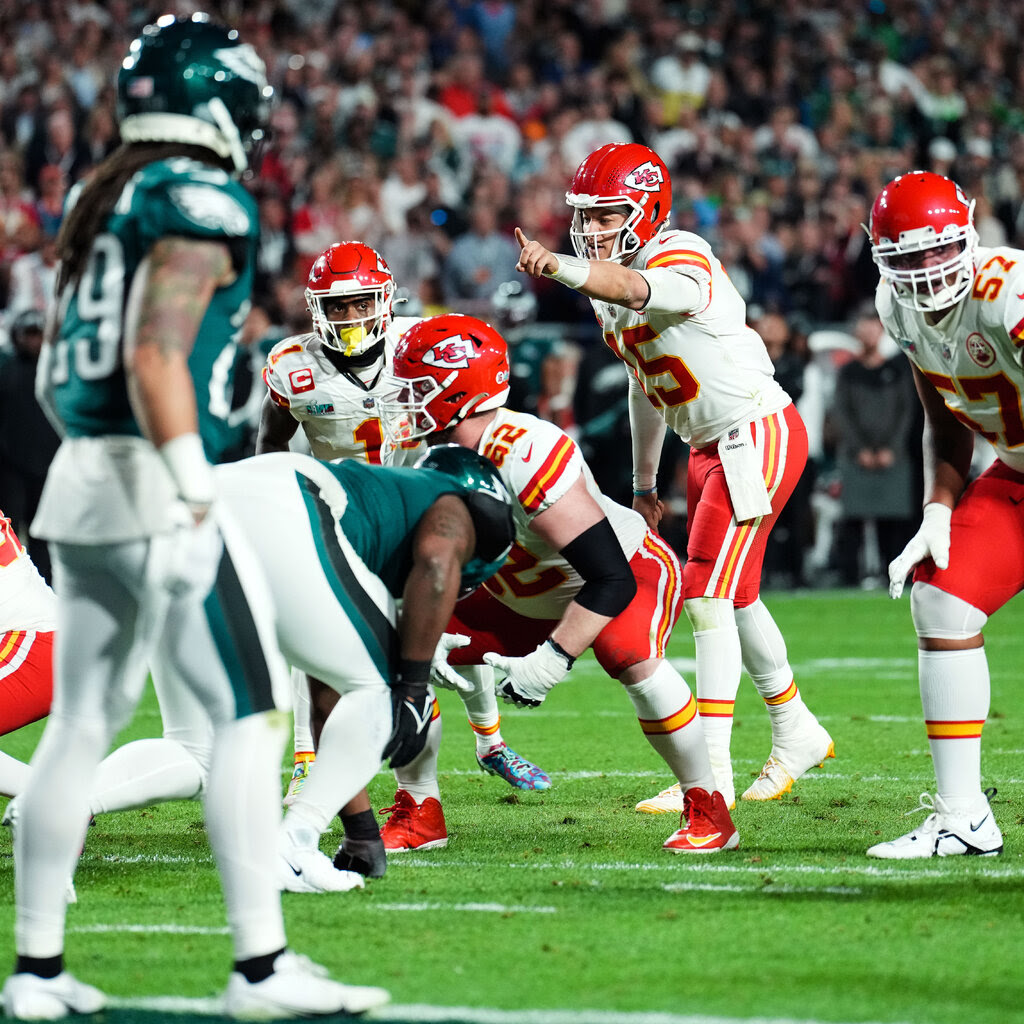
(539, 462)
(706, 371)
(337, 411)
(26, 602)
(973, 356)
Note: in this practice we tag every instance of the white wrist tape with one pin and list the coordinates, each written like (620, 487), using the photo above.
(572, 271)
(193, 475)
(937, 514)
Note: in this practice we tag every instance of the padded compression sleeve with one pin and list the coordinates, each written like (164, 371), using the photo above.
(647, 430)
(609, 584)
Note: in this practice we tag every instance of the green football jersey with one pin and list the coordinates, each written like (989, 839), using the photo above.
(177, 197)
(385, 504)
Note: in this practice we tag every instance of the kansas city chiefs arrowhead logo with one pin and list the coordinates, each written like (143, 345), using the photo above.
(451, 354)
(647, 177)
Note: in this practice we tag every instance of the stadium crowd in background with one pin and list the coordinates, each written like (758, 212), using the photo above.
(429, 129)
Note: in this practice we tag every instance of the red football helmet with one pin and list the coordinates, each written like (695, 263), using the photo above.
(914, 215)
(349, 269)
(444, 368)
(628, 175)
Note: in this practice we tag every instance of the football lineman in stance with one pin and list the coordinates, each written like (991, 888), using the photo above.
(584, 572)
(28, 615)
(957, 311)
(157, 258)
(331, 381)
(669, 311)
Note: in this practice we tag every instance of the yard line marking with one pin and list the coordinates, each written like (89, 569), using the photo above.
(480, 908)
(765, 890)
(675, 867)
(419, 1013)
(148, 929)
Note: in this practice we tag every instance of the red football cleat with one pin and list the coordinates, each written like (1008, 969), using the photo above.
(413, 826)
(706, 826)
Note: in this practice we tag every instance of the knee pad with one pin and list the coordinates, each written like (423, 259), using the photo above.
(709, 613)
(941, 616)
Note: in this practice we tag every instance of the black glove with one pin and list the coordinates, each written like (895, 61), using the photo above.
(411, 708)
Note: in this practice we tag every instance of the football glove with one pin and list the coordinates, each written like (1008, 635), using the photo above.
(411, 708)
(527, 681)
(931, 540)
(441, 673)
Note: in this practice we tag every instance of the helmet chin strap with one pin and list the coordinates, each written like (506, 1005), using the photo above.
(228, 128)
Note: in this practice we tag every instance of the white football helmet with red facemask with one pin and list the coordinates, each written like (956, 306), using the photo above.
(923, 240)
(627, 175)
(349, 269)
(444, 368)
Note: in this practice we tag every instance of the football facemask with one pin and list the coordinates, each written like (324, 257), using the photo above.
(923, 241)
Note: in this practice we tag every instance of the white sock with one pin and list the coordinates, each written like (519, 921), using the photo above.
(955, 694)
(668, 717)
(13, 775)
(419, 777)
(482, 706)
(145, 772)
(348, 757)
(767, 662)
(53, 815)
(302, 710)
(717, 644)
(243, 814)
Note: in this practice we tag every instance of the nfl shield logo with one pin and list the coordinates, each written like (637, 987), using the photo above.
(368, 403)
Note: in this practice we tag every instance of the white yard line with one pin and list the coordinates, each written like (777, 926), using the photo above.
(418, 1013)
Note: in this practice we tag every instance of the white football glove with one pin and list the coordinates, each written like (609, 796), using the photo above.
(441, 673)
(528, 680)
(931, 540)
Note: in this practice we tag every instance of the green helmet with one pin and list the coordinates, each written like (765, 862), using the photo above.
(489, 504)
(189, 80)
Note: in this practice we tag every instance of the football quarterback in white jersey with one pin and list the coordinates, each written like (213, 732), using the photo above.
(331, 381)
(584, 572)
(956, 310)
(669, 311)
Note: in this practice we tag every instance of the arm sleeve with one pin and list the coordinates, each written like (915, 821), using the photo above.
(608, 582)
(647, 429)
(673, 292)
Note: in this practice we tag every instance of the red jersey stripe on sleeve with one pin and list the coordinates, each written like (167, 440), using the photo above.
(1017, 334)
(277, 398)
(680, 257)
(531, 496)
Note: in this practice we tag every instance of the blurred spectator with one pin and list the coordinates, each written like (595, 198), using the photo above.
(873, 413)
(480, 259)
(276, 254)
(56, 144)
(594, 129)
(27, 441)
(488, 135)
(322, 219)
(50, 204)
(19, 222)
(681, 76)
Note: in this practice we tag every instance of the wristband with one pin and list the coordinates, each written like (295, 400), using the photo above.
(563, 653)
(644, 493)
(185, 459)
(412, 673)
(572, 271)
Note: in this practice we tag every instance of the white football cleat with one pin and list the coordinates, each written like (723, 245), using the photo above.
(945, 833)
(29, 997)
(297, 988)
(789, 760)
(303, 870)
(668, 801)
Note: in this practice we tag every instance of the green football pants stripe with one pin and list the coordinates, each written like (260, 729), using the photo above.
(238, 641)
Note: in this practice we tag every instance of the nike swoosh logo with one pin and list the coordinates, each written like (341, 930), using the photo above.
(529, 453)
(703, 840)
(1015, 501)
(974, 828)
(297, 872)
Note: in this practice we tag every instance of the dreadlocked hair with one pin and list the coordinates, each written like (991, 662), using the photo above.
(87, 217)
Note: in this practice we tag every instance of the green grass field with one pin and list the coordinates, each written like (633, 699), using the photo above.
(564, 901)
